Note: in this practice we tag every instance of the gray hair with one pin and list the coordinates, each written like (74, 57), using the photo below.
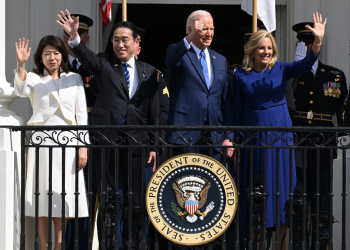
(194, 16)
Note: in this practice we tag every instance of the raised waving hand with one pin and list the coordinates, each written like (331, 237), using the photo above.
(68, 24)
(22, 51)
(319, 27)
(318, 30)
(22, 54)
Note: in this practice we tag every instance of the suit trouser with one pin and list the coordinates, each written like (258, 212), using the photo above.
(112, 164)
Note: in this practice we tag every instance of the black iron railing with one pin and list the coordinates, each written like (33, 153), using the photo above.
(125, 139)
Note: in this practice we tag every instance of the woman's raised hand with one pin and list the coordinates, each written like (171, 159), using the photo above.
(22, 51)
(68, 24)
(319, 27)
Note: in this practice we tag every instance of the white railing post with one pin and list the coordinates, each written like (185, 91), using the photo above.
(10, 148)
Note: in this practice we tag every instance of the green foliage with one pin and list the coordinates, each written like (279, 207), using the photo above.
(175, 209)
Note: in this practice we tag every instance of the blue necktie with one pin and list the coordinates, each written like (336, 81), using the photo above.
(205, 68)
(127, 77)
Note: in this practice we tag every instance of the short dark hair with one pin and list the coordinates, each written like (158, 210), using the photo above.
(59, 45)
(125, 24)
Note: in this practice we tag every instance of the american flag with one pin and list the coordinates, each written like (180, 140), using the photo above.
(106, 11)
(191, 206)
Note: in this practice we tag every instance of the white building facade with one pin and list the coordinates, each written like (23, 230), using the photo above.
(34, 19)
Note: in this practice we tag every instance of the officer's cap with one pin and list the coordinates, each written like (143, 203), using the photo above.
(247, 31)
(304, 34)
(84, 23)
(140, 32)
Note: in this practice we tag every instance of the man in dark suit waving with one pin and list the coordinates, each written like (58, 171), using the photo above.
(199, 83)
(128, 94)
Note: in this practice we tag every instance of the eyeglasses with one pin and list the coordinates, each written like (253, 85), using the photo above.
(124, 41)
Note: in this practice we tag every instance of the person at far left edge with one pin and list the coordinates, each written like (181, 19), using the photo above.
(75, 66)
(90, 89)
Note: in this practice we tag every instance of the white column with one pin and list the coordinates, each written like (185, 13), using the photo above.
(7, 117)
(10, 172)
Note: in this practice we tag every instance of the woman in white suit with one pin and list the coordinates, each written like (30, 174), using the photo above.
(57, 98)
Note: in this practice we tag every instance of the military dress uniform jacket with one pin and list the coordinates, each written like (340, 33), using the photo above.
(164, 99)
(90, 85)
(231, 71)
(310, 96)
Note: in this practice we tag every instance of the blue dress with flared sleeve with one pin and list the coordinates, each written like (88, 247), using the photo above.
(259, 100)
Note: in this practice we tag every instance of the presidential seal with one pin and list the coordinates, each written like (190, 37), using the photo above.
(191, 199)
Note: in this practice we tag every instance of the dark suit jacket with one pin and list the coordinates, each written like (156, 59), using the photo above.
(113, 103)
(190, 97)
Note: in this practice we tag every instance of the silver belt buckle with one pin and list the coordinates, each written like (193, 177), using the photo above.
(310, 115)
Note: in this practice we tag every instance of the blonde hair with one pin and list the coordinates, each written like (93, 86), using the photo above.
(193, 17)
(253, 43)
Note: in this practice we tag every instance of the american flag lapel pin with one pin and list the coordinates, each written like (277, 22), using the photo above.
(144, 74)
(214, 57)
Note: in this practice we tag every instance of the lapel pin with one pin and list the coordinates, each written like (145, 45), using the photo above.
(214, 57)
(144, 74)
(115, 65)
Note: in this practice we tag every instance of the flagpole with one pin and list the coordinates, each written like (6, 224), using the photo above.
(124, 10)
(255, 16)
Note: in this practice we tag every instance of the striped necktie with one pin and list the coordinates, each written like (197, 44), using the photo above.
(127, 75)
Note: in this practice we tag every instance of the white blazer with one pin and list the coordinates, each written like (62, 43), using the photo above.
(45, 98)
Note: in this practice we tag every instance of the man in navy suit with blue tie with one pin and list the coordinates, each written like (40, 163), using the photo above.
(199, 85)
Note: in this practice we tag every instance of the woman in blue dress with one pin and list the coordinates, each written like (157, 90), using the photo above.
(259, 91)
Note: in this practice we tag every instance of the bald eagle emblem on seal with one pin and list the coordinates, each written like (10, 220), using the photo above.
(191, 194)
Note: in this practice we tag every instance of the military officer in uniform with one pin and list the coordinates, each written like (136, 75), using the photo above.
(164, 97)
(164, 102)
(319, 94)
(163, 89)
(90, 85)
(90, 88)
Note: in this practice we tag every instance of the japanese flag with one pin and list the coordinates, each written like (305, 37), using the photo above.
(106, 11)
(266, 12)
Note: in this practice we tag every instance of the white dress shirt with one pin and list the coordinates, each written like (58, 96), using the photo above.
(207, 58)
(314, 68)
(134, 77)
(70, 59)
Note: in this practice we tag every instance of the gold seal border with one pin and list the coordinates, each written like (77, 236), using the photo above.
(181, 237)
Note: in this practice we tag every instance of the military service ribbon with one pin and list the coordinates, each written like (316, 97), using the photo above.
(332, 89)
(87, 80)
